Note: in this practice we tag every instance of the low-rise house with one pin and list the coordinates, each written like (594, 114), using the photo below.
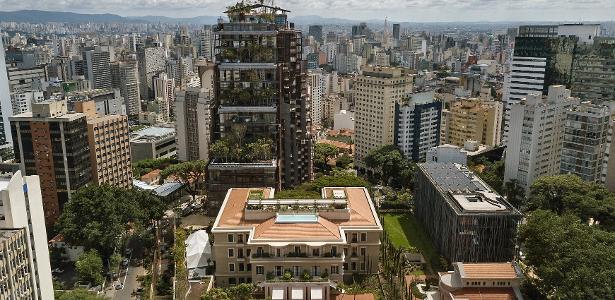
(477, 281)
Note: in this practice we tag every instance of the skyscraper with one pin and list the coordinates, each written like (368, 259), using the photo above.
(53, 144)
(593, 71)
(417, 124)
(109, 146)
(378, 90)
(260, 99)
(6, 108)
(151, 60)
(23, 239)
(535, 139)
(193, 123)
(586, 141)
(316, 32)
(125, 77)
(396, 32)
(206, 43)
(98, 68)
(472, 120)
(164, 93)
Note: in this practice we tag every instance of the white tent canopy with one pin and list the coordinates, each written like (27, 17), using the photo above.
(198, 249)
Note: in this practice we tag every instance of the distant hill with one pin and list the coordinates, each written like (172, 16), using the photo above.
(40, 16)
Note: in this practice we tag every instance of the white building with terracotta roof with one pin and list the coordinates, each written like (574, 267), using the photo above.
(295, 248)
(478, 281)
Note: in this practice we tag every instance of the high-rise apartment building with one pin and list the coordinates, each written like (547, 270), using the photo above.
(260, 97)
(164, 92)
(417, 124)
(316, 82)
(536, 135)
(109, 146)
(314, 243)
(316, 32)
(466, 219)
(23, 239)
(6, 107)
(151, 62)
(543, 56)
(586, 141)
(193, 123)
(97, 63)
(377, 91)
(206, 42)
(53, 144)
(593, 71)
(472, 120)
(125, 77)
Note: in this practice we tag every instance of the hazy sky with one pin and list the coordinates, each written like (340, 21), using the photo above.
(397, 10)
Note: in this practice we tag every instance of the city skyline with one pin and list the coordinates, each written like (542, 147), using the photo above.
(358, 10)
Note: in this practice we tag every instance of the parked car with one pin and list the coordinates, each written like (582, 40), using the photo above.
(119, 286)
(57, 271)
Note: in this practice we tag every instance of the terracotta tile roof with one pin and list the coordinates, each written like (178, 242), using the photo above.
(232, 215)
(484, 294)
(489, 271)
(323, 230)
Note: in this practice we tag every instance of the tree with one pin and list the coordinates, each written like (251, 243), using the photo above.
(97, 216)
(514, 193)
(78, 294)
(322, 153)
(89, 267)
(114, 262)
(570, 194)
(190, 173)
(241, 291)
(344, 161)
(567, 257)
(216, 294)
(394, 169)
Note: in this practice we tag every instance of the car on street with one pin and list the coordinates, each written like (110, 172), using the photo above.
(119, 286)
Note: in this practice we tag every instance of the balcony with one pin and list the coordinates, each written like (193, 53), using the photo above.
(265, 256)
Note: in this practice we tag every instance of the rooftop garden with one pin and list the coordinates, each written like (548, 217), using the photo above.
(248, 96)
(234, 148)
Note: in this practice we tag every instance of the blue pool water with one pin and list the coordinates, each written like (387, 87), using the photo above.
(297, 218)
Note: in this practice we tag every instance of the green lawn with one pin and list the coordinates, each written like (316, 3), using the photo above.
(405, 231)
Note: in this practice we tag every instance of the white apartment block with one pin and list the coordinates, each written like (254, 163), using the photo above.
(536, 136)
(586, 141)
(316, 83)
(377, 91)
(417, 125)
(22, 102)
(526, 77)
(27, 273)
(192, 123)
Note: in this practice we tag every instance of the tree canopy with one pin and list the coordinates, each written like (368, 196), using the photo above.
(96, 216)
(89, 267)
(190, 173)
(570, 194)
(241, 291)
(322, 153)
(570, 260)
(78, 294)
(391, 165)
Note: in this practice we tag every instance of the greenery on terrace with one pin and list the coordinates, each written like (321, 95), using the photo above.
(312, 190)
(234, 147)
(247, 96)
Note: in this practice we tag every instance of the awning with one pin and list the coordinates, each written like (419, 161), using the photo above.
(297, 293)
(316, 293)
(277, 294)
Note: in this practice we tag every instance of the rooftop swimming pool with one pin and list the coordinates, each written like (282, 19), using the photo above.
(296, 218)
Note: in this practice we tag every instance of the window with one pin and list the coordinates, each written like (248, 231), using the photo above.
(241, 267)
(240, 239)
(315, 271)
(232, 281)
(354, 237)
(277, 252)
(363, 251)
(248, 252)
(278, 270)
(363, 236)
(362, 266)
(231, 238)
(353, 266)
(316, 252)
(240, 252)
(231, 267)
(335, 270)
(296, 270)
(231, 252)
(260, 270)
